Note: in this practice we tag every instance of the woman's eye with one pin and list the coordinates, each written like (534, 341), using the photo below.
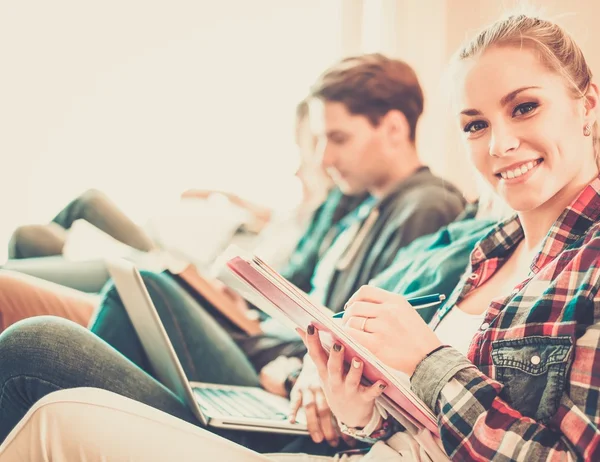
(524, 108)
(475, 126)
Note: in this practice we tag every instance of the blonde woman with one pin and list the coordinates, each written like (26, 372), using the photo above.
(524, 384)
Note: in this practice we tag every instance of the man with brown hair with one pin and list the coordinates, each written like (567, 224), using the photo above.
(365, 112)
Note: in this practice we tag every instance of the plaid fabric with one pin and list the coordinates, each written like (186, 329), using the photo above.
(535, 391)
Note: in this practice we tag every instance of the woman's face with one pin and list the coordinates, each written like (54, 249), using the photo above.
(523, 128)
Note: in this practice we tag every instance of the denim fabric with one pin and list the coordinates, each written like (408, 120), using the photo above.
(534, 373)
(427, 382)
(44, 354)
(205, 350)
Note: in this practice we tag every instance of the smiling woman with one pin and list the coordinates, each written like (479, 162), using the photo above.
(524, 134)
(526, 388)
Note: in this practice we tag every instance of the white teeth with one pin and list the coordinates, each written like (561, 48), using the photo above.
(517, 172)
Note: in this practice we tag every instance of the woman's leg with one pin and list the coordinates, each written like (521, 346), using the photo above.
(31, 241)
(45, 354)
(90, 424)
(97, 209)
(87, 276)
(93, 425)
(23, 297)
(206, 351)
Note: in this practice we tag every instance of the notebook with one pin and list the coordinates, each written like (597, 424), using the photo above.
(270, 292)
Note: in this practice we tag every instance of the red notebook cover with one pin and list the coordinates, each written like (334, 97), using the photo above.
(298, 308)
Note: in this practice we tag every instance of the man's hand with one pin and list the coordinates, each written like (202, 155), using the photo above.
(308, 394)
(274, 374)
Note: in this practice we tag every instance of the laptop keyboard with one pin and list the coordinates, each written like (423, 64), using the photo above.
(239, 403)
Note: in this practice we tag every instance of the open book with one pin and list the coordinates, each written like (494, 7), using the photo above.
(270, 292)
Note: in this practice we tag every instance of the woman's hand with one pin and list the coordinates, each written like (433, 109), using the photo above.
(389, 327)
(308, 394)
(351, 402)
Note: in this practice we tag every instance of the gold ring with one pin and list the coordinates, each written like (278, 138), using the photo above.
(364, 323)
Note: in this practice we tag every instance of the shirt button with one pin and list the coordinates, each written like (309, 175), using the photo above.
(473, 276)
(535, 360)
(485, 326)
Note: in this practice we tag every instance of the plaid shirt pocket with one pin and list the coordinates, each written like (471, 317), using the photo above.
(534, 372)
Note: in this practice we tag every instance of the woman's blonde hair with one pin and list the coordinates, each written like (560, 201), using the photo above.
(556, 49)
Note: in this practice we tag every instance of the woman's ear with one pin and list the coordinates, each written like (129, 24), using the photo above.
(591, 104)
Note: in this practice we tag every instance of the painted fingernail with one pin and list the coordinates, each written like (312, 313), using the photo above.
(356, 363)
(310, 330)
(337, 347)
(382, 386)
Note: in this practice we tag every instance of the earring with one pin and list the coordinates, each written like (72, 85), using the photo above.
(587, 130)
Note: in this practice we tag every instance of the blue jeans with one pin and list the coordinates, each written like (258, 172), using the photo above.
(44, 354)
(206, 351)
(210, 348)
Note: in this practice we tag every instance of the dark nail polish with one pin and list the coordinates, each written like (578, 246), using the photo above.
(382, 386)
(310, 330)
(337, 347)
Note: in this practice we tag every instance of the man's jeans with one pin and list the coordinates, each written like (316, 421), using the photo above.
(44, 354)
(210, 348)
(206, 351)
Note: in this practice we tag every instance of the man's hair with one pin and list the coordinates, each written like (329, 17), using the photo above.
(372, 85)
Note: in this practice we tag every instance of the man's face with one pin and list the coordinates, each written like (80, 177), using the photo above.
(350, 147)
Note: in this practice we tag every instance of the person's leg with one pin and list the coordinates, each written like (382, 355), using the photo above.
(260, 349)
(30, 241)
(89, 424)
(86, 276)
(206, 351)
(23, 297)
(45, 354)
(97, 209)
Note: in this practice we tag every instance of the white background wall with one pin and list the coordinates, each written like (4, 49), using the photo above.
(144, 98)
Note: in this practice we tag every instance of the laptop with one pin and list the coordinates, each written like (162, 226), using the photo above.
(222, 406)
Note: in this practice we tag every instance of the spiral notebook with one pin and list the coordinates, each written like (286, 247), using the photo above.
(253, 279)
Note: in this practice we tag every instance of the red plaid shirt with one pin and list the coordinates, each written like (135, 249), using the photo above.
(530, 387)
